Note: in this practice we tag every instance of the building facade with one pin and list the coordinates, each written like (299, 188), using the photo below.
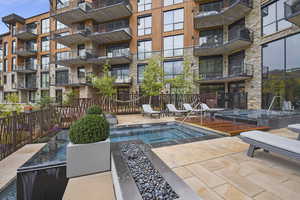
(243, 47)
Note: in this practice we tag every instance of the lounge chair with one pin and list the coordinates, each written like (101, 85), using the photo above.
(147, 110)
(212, 111)
(189, 108)
(270, 142)
(173, 109)
(295, 128)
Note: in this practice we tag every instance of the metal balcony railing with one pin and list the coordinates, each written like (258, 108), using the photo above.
(105, 3)
(119, 53)
(67, 81)
(30, 85)
(26, 50)
(240, 34)
(25, 29)
(241, 70)
(112, 26)
(26, 68)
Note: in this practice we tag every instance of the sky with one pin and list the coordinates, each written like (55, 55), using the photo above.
(24, 8)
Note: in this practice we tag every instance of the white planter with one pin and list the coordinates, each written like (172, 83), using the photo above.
(85, 159)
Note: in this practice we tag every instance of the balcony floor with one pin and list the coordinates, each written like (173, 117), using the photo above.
(71, 16)
(75, 61)
(26, 36)
(225, 17)
(111, 37)
(75, 38)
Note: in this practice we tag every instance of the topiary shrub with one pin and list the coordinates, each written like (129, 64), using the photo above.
(89, 129)
(94, 110)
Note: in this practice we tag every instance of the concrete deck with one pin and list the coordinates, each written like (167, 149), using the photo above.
(139, 119)
(9, 165)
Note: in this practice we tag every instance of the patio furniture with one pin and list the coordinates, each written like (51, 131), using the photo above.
(270, 142)
(295, 128)
(173, 109)
(189, 108)
(287, 106)
(212, 111)
(147, 109)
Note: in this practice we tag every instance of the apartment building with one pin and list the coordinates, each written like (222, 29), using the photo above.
(243, 47)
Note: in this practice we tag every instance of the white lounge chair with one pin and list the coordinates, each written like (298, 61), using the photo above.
(189, 108)
(147, 110)
(270, 142)
(212, 111)
(295, 128)
(173, 109)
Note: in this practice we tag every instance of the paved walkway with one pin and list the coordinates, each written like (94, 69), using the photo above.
(219, 169)
(9, 166)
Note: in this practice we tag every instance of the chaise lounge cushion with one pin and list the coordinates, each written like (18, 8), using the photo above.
(274, 140)
(295, 127)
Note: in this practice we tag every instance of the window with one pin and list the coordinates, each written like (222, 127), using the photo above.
(211, 38)
(32, 96)
(140, 72)
(273, 19)
(45, 93)
(13, 29)
(117, 50)
(30, 81)
(144, 5)
(58, 96)
(31, 27)
(31, 45)
(5, 65)
(80, 72)
(144, 25)
(5, 79)
(12, 79)
(45, 80)
(236, 30)
(173, 20)
(45, 44)
(81, 51)
(5, 50)
(172, 2)
(62, 55)
(281, 69)
(121, 73)
(211, 67)
(60, 46)
(173, 69)
(216, 6)
(144, 49)
(31, 63)
(61, 77)
(1, 67)
(173, 46)
(62, 3)
(60, 25)
(236, 63)
(14, 47)
(45, 26)
(13, 63)
(45, 61)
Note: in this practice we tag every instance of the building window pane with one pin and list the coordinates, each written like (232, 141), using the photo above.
(144, 5)
(45, 25)
(14, 47)
(80, 72)
(144, 25)
(211, 67)
(45, 62)
(211, 38)
(173, 20)
(144, 49)
(60, 25)
(45, 44)
(171, 2)
(13, 63)
(45, 80)
(173, 69)
(62, 3)
(140, 71)
(173, 46)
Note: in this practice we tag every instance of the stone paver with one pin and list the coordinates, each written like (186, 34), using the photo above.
(229, 192)
(92, 187)
(9, 166)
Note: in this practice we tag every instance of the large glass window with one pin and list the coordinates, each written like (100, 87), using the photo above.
(5, 50)
(173, 20)
(61, 77)
(211, 67)
(173, 69)
(117, 50)
(172, 2)
(5, 65)
(45, 25)
(144, 49)
(121, 73)
(45, 80)
(236, 63)
(173, 46)
(45, 44)
(62, 3)
(273, 18)
(80, 72)
(14, 47)
(144, 5)
(212, 7)
(281, 67)
(62, 55)
(60, 25)
(45, 62)
(13, 63)
(144, 25)
(140, 72)
(211, 38)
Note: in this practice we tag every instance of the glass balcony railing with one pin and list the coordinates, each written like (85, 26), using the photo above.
(26, 68)
(292, 11)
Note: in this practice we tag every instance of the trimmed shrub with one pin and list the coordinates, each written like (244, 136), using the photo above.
(89, 129)
(94, 110)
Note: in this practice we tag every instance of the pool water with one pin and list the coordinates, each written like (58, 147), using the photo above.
(9, 193)
(157, 133)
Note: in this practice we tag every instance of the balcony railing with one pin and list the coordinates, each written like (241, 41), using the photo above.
(78, 35)
(75, 82)
(123, 80)
(25, 33)
(239, 39)
(26, 69)
(292, 11)
(228, 12)
(30, 85)
(26, 51)
(72, 57)
(238, 73)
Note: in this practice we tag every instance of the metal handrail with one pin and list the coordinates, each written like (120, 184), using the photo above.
(27, 30)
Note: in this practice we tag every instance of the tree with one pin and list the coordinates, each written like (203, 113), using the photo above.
(105, 83)
(153, 82)
(70, 98)
(45, 102)
(183, 83)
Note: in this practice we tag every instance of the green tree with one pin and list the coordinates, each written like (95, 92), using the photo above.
(70, 98)
(183, 83)
(45, 102)
(153, 82)
(105, 83)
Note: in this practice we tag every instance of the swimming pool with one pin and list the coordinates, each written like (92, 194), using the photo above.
(161, 134)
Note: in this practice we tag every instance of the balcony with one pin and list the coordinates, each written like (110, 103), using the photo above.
(239, 73)
(242, 39)
(116, 57)
(228, 12)
(31, 85)
(26, 51)
(25, 33)
(75, 82)
(123, 80)
(74, 58)
(109, 10)
(78, 36)
(26, 69)
(71, 12)
(292, 11)
(105, 34)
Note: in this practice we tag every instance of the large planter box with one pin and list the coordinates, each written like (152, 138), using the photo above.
(85, 159)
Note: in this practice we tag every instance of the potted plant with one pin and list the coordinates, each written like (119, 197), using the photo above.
(89, 149)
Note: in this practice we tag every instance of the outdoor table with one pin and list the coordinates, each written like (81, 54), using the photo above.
(296, 129)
